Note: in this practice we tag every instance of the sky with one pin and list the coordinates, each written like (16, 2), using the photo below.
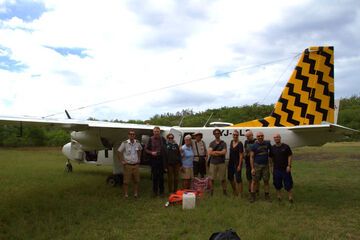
(133, 59)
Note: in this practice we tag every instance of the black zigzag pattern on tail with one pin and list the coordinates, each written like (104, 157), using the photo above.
(311, 62)
(311, 118)
(304, 79)
(290, 113)
(326, 91)
(318, 107)
(264, 122)
(328, 60)
(297, 102)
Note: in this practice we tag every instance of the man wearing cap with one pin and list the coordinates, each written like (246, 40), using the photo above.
(217, 152)
(200, 157)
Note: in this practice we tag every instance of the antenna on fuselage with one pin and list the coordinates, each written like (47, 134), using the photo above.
(67, 114)
(181, 121)
(208, 119)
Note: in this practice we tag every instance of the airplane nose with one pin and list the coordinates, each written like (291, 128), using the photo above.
(66, 150)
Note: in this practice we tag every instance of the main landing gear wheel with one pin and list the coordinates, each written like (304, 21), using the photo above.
(114, 180)
(68, 167)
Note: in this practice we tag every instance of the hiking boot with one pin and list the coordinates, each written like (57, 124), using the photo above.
(267, 197)
(252, 197)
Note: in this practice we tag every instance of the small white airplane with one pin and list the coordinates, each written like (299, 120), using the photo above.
(305, 115)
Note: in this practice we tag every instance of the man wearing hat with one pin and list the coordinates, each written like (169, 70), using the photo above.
(200, 156)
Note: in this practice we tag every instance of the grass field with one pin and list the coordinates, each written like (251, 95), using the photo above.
(38, 200)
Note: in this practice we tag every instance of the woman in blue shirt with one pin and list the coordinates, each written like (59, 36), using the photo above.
(187, 158)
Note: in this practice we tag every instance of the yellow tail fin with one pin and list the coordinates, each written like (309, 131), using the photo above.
(308, 97)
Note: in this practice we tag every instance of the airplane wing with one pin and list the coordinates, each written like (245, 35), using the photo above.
(68, 124)
(108, 132)
(333, 128)
(317, 135)
(71, 124)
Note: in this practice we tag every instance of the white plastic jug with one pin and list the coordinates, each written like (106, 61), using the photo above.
(188, 201)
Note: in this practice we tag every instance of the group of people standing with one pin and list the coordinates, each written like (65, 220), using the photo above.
(194, 158)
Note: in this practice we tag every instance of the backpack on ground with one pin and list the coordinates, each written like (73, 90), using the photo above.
(226, 235)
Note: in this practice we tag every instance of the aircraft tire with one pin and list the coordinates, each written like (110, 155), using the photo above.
(115, 180)
(68, 167)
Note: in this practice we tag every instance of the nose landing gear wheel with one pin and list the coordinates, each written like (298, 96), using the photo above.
(68, 167)
(115, 180)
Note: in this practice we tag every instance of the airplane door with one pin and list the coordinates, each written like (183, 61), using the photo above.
(177, 135)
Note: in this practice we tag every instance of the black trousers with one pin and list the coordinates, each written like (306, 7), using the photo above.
(200, 167)
(157, 172)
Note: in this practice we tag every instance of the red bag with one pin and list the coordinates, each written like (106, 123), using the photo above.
(201, 184)
(176, 198)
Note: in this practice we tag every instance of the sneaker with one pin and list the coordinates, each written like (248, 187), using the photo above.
(126, 196)
(224, 192)
(211, 192)
(279, 199)
(291, 201)
(136, 196)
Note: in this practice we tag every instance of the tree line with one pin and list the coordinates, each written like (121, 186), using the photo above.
(14, 136)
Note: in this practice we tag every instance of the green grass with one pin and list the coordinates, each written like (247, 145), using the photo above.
(38, 200)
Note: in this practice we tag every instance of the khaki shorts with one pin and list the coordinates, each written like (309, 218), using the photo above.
(217, 170)
(187, 173)
(131, 172)
(261, 172)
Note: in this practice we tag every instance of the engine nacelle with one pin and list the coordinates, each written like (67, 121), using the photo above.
(73, 151)
(88, 140)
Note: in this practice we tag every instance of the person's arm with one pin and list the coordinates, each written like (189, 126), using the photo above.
(120, 154)
(223, 151)
(206, 152)
(252, 163)
(139, 152)
(210, 152)
(270, 156)
(288, 168)
(148, 149)
(241, 157)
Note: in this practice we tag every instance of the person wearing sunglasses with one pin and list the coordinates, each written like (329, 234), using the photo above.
(236, 150)
(129, 154)
(172, 162)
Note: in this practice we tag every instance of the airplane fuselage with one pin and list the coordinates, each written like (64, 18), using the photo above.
(93, 146)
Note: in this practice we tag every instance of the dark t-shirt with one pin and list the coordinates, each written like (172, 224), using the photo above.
(247, 146)
(235, 153)
(280, 156)
(261, 152)
(172, 153)
(217, 147)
